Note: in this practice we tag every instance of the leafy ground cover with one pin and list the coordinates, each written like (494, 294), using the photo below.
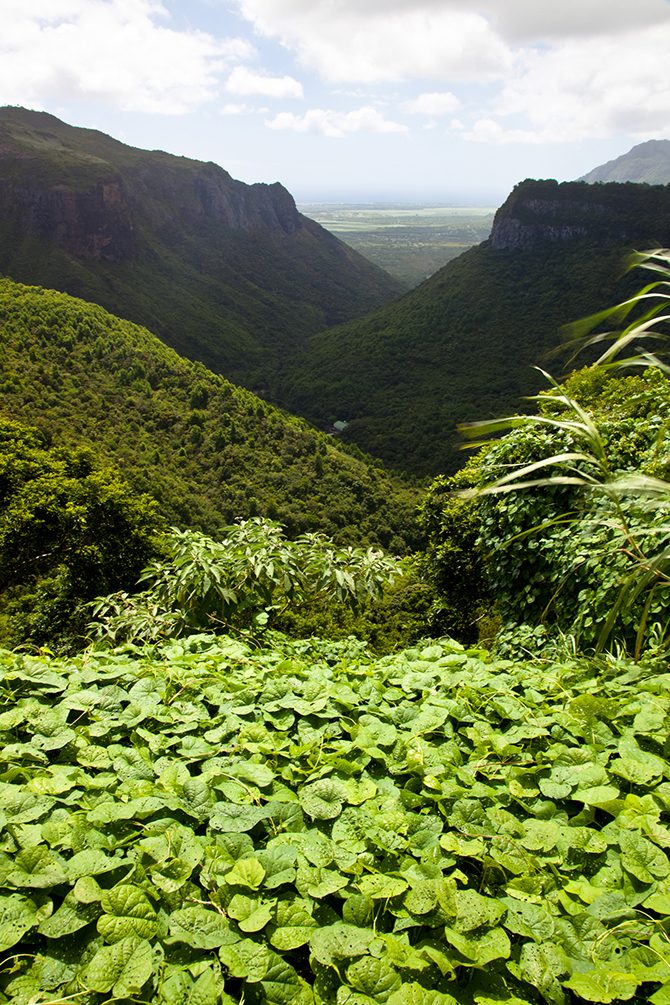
(205, 823)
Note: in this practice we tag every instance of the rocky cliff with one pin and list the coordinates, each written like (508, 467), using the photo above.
(542, 212)
(227, 273)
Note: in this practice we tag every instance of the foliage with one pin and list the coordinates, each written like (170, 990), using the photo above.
(462, 345)
(210, 453)
(401, 617)
(226, 273)
(588, 543)
(451, 558)
(70, 528)
(201, 822)
(249, 576)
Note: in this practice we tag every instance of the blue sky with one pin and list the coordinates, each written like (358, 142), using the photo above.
(449, 101)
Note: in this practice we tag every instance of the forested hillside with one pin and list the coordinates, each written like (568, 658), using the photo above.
(463, 344)
(207, 451)
(226, 273)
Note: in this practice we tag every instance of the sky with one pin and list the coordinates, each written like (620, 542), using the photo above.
(437, 102)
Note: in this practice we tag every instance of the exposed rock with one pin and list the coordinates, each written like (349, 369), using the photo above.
(540, 212)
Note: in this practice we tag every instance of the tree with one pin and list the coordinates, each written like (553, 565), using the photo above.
(247, 578)
(70, 527)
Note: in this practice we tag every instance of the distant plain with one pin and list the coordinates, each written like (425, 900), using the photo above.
(411, 242)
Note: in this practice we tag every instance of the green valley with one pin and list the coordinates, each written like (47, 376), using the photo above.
(281, 725)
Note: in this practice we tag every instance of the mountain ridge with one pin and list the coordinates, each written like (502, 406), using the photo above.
(463, 345)
(646, 163)
(228, 273)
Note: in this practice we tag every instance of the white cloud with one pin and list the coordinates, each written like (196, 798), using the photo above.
(564, 70)
(244, 82)
(376, 41)
(432, 103)
(111, 50)
(590, 89)
(336, 124)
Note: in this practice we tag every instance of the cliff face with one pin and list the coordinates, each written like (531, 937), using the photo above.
(94, 224)
(541, 212)
(88, 205)
(227, 273)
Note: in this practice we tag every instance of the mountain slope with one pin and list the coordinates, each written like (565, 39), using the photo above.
(462, 345)
(227, 273)
(209, 452)
(647, 162)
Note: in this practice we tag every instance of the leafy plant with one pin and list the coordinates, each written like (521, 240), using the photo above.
(589, 546)
(253, 572)
(70, 527)
(202, 822)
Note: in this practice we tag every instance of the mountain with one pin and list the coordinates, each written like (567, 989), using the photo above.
(226, 273)
(461, 346)
(648, 163)
(209, 452)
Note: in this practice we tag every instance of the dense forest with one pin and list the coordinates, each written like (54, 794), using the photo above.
(281, 728)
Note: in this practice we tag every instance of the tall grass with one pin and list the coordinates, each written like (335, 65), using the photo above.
(644, 587)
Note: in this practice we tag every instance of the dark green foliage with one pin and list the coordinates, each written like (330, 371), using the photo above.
(452, 560)
(226, 273)
(463, 344)
(558, 553)
(404, 615)
(70, 528)
(209, 452)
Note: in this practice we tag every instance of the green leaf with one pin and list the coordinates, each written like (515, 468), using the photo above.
(415, 994)
(123, 968)
(90, 862)
(340, 942)
(474, 911)
(380, 887)
(603, 985)
(201, 928)
(492, 944)
(374, 978)
(235, 818)
(17, 916)
(37, 868)
(70, 917)
(294, 924)
(642, 858)
(248, 872)
(323, 800)
(127, 912)
(541, 966)
(252, 915)
(246, 959)
(358, 910)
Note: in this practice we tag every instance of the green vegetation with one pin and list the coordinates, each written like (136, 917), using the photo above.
(208, 452)
(409, 242)
(250, 576)
(206, 823)
(70, 529)
(226, 273)
(207, 807)
(460, 346)
(566, 525)
(463, 344)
